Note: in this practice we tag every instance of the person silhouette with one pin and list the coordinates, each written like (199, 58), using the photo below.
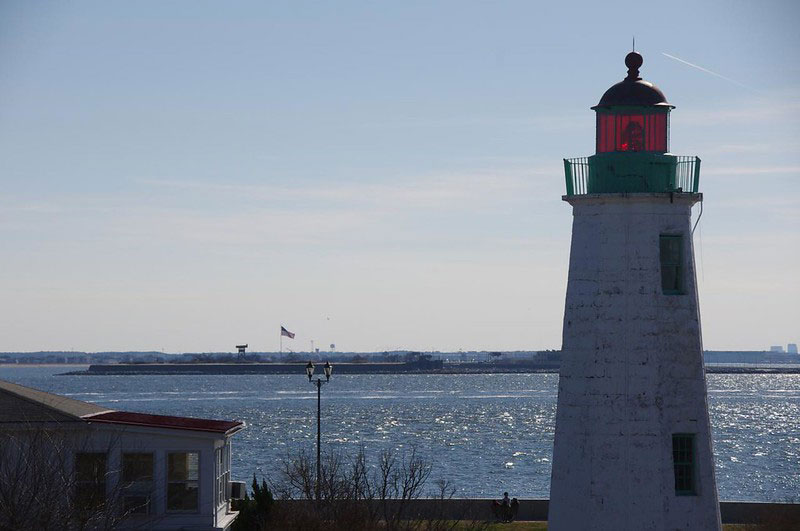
(505, 510)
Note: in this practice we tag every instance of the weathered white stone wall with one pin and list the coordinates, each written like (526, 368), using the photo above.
(631, 374)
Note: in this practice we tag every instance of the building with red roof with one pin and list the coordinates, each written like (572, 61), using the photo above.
(79, 460)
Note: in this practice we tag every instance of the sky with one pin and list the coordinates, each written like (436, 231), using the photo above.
(190, 175)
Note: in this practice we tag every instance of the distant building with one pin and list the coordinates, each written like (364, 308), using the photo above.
(115, 468)
(776, 348)
(791, 348)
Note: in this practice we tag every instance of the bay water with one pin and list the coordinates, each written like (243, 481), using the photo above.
(486, 433)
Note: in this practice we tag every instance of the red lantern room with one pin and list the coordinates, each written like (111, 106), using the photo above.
(633, 115)
(632, 152)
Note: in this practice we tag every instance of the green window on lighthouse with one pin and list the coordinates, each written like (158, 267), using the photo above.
(671, 252)
(683, 462)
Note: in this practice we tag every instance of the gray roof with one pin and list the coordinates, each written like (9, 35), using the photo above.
(20, 404)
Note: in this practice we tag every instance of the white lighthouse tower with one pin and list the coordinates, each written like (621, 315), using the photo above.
(633, 442)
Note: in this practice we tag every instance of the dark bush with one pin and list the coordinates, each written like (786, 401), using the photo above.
(254, 513)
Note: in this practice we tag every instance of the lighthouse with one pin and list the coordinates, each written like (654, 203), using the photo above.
(632, 446)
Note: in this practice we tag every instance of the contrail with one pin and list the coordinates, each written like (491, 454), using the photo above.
(706, 70)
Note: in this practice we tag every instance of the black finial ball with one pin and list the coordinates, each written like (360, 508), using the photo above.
(633, 61)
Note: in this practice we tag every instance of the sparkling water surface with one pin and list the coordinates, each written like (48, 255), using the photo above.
(487, 433)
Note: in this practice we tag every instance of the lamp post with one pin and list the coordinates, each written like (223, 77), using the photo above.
(328, 368)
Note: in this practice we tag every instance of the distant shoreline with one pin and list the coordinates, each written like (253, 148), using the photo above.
(83, 369)
(366, 368)
(4, 365)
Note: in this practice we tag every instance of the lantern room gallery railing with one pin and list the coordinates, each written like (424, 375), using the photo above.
(577, 173)
(687, 174)
(620, 173)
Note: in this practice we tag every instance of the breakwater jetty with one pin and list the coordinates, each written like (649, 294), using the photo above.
(415, 367)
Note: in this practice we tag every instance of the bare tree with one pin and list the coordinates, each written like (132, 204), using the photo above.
(41, 489)
(355, 496)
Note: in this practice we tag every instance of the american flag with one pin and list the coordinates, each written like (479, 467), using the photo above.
(286, 333)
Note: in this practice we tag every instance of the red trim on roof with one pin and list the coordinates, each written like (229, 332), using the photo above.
(164, 421)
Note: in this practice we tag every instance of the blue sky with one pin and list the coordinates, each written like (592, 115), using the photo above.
(187, 176)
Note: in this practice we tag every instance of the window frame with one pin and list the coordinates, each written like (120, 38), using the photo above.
(168, 482)
(689, 465)
(98, 484)
(138, 489)
(679, 265)
(222, 474)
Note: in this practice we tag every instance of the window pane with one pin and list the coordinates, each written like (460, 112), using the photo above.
(630, 132)
(671, 257)
(89, 495)
(182, 496)
(137, 467)
(659, 133)
(136, 504)
(670, 250)
(90, 467)
(609, 146)
(90, 480)
(182, 466)
(683, 463)
(182, 476)
(605, 132)
(669, 279)
(656, 132)
(599, 133)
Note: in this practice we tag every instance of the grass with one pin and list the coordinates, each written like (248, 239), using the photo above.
(539, 526)
(518, 526)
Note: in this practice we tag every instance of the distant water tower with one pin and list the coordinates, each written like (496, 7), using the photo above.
(632, 443)
(241, 351)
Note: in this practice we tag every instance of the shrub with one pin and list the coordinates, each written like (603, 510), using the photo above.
(255, 512)
(356, 496)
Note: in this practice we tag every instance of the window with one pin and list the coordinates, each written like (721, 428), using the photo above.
(137, 482)
(631, 137)
(671, 252)
(683, 463)
(632, 132)
(90, 479)
(656, 139)
(222, 459)
(183, 475)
